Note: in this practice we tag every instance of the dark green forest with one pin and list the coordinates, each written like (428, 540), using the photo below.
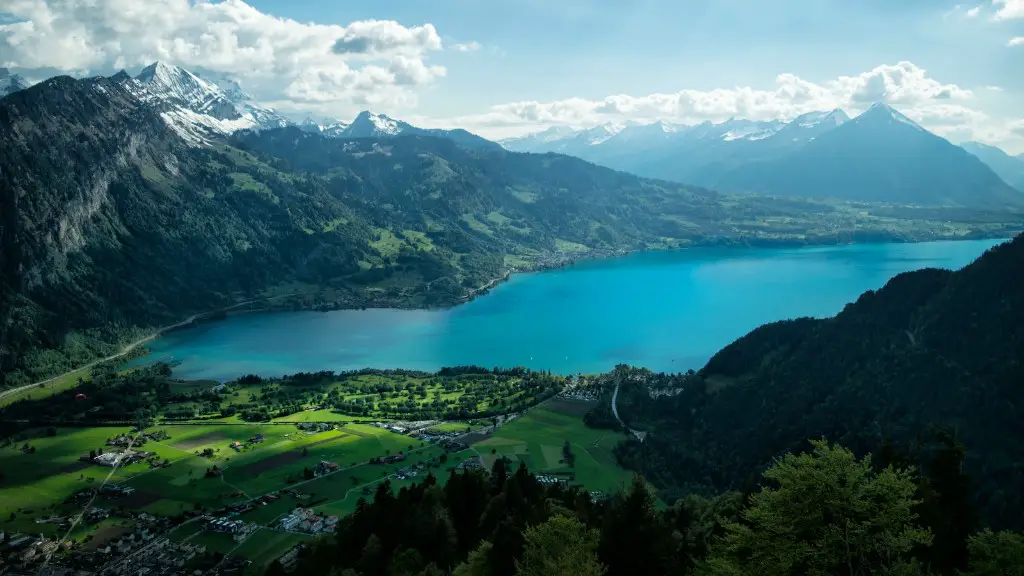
(823, 511)
(934, 356)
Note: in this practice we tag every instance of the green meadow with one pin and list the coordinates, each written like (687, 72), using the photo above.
(537, 438)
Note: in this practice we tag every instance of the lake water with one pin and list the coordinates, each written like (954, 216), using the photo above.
(668, 311)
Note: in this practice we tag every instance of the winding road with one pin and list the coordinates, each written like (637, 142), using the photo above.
(128, 348)
(615, 411)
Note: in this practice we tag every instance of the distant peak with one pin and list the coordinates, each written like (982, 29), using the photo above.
(880, 111)
(121, 77)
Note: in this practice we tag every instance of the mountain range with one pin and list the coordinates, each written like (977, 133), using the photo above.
(879, 156)
(125, 206)
(133, 202)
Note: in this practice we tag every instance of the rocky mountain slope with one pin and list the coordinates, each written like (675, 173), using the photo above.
(1009, 168)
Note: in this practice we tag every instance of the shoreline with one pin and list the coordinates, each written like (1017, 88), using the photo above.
(560, 262)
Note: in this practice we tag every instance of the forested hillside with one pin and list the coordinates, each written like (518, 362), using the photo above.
(820, 512)
(933, 353)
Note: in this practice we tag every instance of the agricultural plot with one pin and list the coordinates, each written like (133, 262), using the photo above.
(537, 439)
(51, 470)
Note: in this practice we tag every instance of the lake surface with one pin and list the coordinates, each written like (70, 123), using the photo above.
(668, 311)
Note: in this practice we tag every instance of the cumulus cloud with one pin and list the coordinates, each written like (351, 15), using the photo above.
(972, 12)
(904, 85)
(467, 47)
(1009, 9)
(275, 58)
(948, 109)
(1018, 41)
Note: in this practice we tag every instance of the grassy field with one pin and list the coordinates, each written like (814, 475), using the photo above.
(36, 484)
(65, 382)
(537, 438)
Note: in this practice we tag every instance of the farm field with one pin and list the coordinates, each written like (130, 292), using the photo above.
(36, 484)
(537, 437)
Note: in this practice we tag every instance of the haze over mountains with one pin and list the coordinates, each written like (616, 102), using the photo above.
(879, 156)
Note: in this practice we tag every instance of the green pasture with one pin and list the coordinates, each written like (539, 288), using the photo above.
(537, 437)
(38, 392)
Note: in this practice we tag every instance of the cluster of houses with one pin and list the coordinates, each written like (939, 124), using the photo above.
(408, 473)
(25, 553)
(325, 467)
(390, 459)
(112, 459)
(239, 529)
(581, 392)
(307, 521)
(548, 479)
(471, 463)
(116, 490)
(254, 439)
(314, 426)
(157, 557)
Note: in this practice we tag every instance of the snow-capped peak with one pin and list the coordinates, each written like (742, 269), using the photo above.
(370, 125)
(187, 89)
(739, 129)
(601, 133)
(882, 112)
(11, 83)
(831, 118)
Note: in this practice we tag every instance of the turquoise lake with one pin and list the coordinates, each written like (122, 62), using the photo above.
(668, 311)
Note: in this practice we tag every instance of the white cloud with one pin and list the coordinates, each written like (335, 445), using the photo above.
(947, 109)
(1018, 41)
(904, 85)
(467, 47)
(338, 67)
(972, 12)
(1009, 9)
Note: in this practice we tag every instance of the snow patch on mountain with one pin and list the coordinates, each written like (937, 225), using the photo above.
(11, 83)
(880, 111)
(199, 129)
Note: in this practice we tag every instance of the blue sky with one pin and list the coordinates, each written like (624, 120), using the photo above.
(544, 62)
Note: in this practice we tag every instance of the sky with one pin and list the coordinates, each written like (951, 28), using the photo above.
(507, 67)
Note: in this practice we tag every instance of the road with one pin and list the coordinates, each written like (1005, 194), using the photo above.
(136, 344)
(615, 411)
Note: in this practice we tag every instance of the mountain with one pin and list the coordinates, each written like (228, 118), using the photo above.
(10, 83)
(1009, 168)
(370, 125)
(932, 347)
(205, 106)
(186, 89)
(879, 156)
(115, 220)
